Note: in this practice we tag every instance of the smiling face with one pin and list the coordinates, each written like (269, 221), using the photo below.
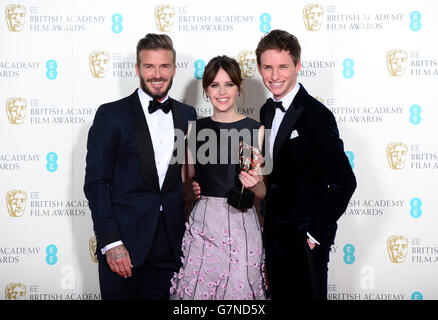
(156, 70)
(278, 71)
(222, 92)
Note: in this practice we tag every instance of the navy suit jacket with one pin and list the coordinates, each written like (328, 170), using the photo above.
(312, 180)
(121, 180)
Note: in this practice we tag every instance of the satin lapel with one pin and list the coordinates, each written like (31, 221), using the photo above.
(288, 122)
(174, 170)
(267, 117)
(145, 147)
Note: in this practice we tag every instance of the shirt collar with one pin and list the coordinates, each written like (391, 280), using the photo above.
(287, 99)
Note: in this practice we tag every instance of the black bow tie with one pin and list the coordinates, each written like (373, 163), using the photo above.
(154, 105)
(275, 104)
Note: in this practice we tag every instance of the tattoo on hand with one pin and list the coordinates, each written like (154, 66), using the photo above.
(117, 253)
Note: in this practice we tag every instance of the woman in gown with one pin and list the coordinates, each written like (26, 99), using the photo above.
(222, 247)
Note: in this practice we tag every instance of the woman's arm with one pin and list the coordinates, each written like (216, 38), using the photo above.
(188, 167)
(254, 182)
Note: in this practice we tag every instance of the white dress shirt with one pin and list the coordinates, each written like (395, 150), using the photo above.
(161, 130)
(286, 101)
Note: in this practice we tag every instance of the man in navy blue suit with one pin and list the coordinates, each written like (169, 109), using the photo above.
(133, 186)
(311, 182)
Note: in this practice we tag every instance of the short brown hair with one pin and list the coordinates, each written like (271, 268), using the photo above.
(154, 41)
(229, 65)
(279, 40)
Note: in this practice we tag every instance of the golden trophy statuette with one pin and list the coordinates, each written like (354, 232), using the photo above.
(250, 158)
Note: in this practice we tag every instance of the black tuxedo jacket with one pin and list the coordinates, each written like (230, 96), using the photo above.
(312, 179)
(121, 180)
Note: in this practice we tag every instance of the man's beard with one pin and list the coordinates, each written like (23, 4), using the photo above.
(158, 96)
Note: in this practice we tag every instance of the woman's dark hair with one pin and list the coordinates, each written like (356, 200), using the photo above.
(229, 65)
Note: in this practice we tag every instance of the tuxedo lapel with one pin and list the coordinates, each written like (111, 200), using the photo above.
(291, 116)
(174, 169)
(267, 117)
(145, 147)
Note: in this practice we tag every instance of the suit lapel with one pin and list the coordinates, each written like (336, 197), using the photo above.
(267, 116)
(174, 169)
(144, 142)
(291, 116)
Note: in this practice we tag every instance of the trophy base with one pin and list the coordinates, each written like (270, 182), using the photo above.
(240, 200)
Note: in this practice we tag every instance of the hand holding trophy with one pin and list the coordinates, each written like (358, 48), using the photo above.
(250, 158)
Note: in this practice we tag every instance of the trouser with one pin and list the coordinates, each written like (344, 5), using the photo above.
(293, 270)
(150, 281)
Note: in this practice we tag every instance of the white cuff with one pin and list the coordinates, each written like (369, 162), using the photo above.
(312, 239)
(111, 245)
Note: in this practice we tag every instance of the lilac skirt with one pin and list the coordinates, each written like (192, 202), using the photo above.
(223, 254)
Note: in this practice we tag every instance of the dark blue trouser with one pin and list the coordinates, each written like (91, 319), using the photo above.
(293, 270)
(151, 281)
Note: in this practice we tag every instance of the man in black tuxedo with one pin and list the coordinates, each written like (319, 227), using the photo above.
(133, 186)
(311, 182)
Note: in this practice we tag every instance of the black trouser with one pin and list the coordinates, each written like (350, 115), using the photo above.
(151, 281)
(293, 270)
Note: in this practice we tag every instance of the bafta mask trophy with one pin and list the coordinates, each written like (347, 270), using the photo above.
(250, 158)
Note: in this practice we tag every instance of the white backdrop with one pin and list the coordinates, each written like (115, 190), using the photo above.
(373, 63)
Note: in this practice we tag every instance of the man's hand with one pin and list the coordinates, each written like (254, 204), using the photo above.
(196, 189)
(311, 245)
(119, 261)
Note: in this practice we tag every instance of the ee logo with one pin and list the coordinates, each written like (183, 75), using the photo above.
(348, 65)
(349, 257)
(52, 164)
(416, 211)
(415, 21)
(51, 66)
(51, 257)
(415, 111)
(416, 296)
(265, 22)
(350, 156)
(199, 69)
(117, 23)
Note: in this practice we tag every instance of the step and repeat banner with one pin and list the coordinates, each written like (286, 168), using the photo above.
(374, 64)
